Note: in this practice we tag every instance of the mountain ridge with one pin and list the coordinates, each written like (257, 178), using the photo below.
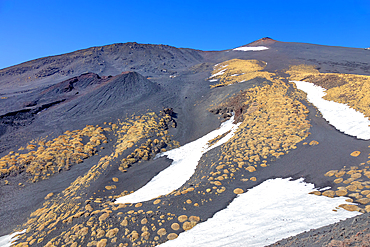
(115, 58)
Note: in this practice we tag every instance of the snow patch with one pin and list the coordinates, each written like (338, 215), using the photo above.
(256, 48)
(341, 116)
(218, 73)
(213, 80)
(276, 209)
(6, 240)
(185, 161)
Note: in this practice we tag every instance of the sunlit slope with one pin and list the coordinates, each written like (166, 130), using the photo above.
(106, 137)
(274, 119)
(273, 122)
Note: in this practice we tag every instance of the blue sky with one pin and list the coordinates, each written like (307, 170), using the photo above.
(34, 29)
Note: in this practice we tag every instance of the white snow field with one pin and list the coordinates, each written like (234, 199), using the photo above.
(185, 161)
(276, 209)
(6, 241)
(256, 48)
(341, 116)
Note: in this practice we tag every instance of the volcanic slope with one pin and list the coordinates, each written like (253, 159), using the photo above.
(108, 60)
(71, 144)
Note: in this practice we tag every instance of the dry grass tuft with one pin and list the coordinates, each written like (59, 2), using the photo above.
(175, 226)
(172, 236)
(182, 218)
(355, 153)
(317, 193)
(313, 143)
(157, 201)
(195, 219)
(329, 193)
(238, 191)
(349, 207)
(188, 225)
(162, 232)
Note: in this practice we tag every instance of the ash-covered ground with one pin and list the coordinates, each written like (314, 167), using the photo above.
(80, 130)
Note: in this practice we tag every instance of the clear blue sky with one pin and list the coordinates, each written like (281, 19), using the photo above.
(34, 29)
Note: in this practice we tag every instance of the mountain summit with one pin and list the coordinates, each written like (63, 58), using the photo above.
(263, 41)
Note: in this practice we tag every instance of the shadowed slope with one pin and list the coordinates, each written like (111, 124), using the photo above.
(78, 98)
(112, 94)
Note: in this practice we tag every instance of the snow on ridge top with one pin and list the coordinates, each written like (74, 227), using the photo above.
(255, 48)
(341, 116)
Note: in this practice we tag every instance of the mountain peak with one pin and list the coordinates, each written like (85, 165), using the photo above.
(263, 41)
